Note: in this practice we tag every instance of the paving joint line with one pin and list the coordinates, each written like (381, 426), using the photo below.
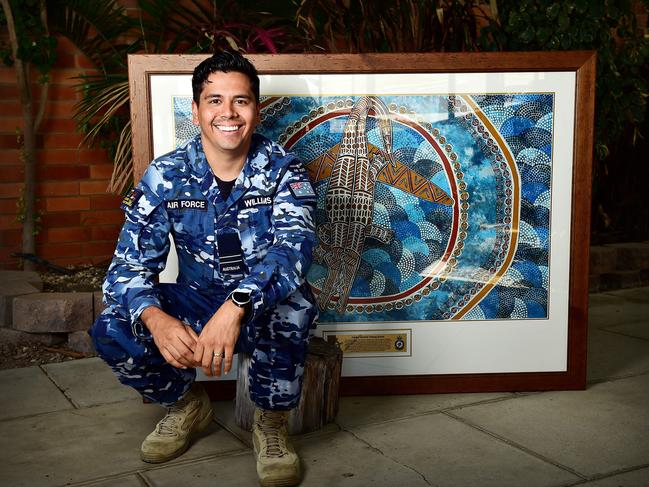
(516, 445)
(369, 445)
(80, 408)
(607, 475)
(143, 480)
(88, 483)
(428, 413)
(388, 421)
(154, 467)
(34, 415)
(593, 382)
(70, 400)
(95, 481)
(224, 426)
(509, 397)
(319, 432)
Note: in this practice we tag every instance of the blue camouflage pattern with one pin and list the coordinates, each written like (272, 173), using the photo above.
(269, 215)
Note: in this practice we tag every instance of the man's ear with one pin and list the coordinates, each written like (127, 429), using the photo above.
(195, 120)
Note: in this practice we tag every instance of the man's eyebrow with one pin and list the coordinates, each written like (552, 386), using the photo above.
(218, 95)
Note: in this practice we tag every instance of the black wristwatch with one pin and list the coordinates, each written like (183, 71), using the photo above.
(241, 299)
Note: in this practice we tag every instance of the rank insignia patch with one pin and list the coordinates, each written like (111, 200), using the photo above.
(131, 198)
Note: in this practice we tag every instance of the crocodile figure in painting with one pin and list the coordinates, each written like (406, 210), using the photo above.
(349, 201)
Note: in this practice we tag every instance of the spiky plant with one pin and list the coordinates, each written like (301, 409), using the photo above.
(395, 26)
(164, 26)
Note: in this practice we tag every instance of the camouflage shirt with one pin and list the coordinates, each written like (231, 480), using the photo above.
(260, 239)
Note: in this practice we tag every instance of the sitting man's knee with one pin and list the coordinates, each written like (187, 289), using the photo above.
(109, 333)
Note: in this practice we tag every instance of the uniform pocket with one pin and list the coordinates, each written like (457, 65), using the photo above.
(193, 232)
(255, 227)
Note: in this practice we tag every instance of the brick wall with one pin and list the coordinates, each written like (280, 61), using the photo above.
(79, 220)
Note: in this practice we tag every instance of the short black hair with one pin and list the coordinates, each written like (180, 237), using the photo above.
(224, 61)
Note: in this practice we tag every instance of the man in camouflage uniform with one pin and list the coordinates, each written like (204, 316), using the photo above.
(241, 212)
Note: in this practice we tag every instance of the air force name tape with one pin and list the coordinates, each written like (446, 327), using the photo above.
(186, 205)
(257, 201)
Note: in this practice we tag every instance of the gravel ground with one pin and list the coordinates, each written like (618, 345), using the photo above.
(15, 356)
(79, 279)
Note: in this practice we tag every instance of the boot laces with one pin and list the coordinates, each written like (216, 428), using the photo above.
(271, 424)
(168, 426)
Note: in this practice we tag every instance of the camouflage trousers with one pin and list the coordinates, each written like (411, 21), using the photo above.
(277, 350)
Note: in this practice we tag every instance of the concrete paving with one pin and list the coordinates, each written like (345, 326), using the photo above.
(73, 424)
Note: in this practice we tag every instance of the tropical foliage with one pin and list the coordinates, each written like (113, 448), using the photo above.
(106, 32)
(396, 26)
(622, 118)
(166, 26)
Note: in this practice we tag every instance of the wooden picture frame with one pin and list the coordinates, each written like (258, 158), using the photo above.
(578, 71)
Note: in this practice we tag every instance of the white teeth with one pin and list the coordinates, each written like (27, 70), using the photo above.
(228, 128)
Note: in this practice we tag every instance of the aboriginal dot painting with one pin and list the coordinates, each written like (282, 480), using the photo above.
(429, 207)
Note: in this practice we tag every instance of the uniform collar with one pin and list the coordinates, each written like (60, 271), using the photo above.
(258, 156)
(258, 159)
(259, 153)
(197, 160)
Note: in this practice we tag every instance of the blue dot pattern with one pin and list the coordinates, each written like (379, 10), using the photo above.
(423, 229)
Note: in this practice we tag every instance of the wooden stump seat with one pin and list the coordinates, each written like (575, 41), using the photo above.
(319, 400)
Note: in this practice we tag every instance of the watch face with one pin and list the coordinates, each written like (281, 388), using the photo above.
(240, 298)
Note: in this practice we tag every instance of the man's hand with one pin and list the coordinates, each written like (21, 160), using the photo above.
(219, 335)
(176, 341)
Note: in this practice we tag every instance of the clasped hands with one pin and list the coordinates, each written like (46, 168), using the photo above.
(181, 347)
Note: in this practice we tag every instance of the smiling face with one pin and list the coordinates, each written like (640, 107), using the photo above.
(227, 115)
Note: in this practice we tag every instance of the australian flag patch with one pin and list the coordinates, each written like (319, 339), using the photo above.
(301, 189)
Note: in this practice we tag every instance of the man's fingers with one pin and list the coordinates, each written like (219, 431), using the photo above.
(181, 353)
(208, 363)
(185, 351)
(218, 363)
(170, 360)
(198, 352)
(178, 355)
(210, 371)
(192, 333)
(227, 360)
(188, 342)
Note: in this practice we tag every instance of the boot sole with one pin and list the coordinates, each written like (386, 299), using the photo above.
(279, 481)
(153, 458)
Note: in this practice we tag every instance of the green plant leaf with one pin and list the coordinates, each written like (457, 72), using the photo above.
(553, 11)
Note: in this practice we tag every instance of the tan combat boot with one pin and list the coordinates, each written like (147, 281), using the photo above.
(171, 437)
(277, 463)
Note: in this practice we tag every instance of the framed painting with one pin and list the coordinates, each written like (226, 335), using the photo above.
(453, 206)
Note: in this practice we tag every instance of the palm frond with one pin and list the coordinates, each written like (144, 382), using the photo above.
(95, 27)
(104, 98)
(98, 28)
(122, 175)
(395, 26)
